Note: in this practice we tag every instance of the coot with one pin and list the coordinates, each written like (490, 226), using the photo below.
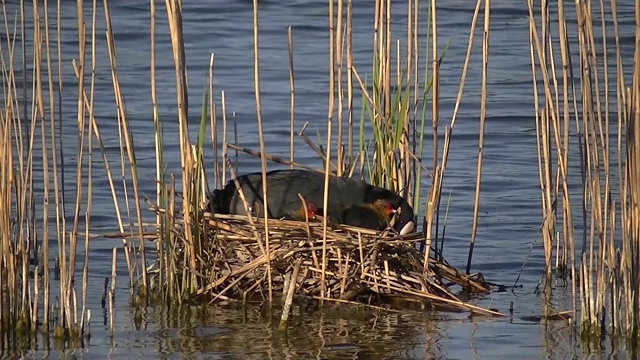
(283, 189)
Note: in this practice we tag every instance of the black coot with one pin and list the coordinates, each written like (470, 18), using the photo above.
(283, 189)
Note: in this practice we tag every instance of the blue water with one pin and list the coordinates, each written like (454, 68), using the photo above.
(509, 217)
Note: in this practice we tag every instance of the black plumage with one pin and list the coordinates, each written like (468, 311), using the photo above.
(283, 187)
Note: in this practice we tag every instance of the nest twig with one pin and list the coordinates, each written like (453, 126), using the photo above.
(362, 266)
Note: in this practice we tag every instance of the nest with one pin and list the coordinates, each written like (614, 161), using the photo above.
(362, 266)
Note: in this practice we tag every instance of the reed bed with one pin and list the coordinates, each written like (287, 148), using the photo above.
(394, 106)
(44, 226)
(583, 105)
(590, 232)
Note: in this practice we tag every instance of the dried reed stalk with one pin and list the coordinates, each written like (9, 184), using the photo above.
(263, 161)
(483, 115)
(349, 54)
(435, 110)
(338, 63)
(292, 96)
(159, 160)
(275, 159)
(112, 293)
(548, 123)
(291, 289)
(327, 168)
(85, 267)
(126, 135)
(225, 146)
(174, 16)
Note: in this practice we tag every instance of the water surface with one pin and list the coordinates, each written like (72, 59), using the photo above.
(510, 202)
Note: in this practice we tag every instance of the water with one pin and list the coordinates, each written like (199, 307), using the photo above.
(509, 213)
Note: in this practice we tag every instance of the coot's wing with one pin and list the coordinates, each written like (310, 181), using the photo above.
(363, 216)
(283, 188)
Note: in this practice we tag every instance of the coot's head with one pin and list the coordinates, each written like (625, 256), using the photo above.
(402, 211)
(312, 210)
(385, 207)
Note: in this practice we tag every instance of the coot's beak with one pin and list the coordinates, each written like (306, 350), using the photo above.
(407, 228)
(404, 221)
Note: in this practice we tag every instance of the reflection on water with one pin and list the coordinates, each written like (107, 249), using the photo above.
(337, 332)
(334, 332)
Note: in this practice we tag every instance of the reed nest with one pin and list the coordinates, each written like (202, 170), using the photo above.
(362, 266)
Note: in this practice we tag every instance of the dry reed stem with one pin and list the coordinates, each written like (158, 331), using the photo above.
(154, 106)
(308, 228)
(603, 269)
(290, 291)
(536, 44)
(544, 157)
(445, 152)
(337, 62)
(245, 205)
(633, 170)
(96, 132)
(225, 146)
(85, 267)
(314, 147)
(127, 137)
(45, 173)
(483, 115)
(349, 54)
(6, 176)
(112, 293)
(171, 269)
(562, 39)
(386, 70)
(263, 161)
(174, 17)
(275, 159)
(327, 169)
(429, 212)
(292, 97)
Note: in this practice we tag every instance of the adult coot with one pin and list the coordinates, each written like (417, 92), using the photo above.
(284, 186)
